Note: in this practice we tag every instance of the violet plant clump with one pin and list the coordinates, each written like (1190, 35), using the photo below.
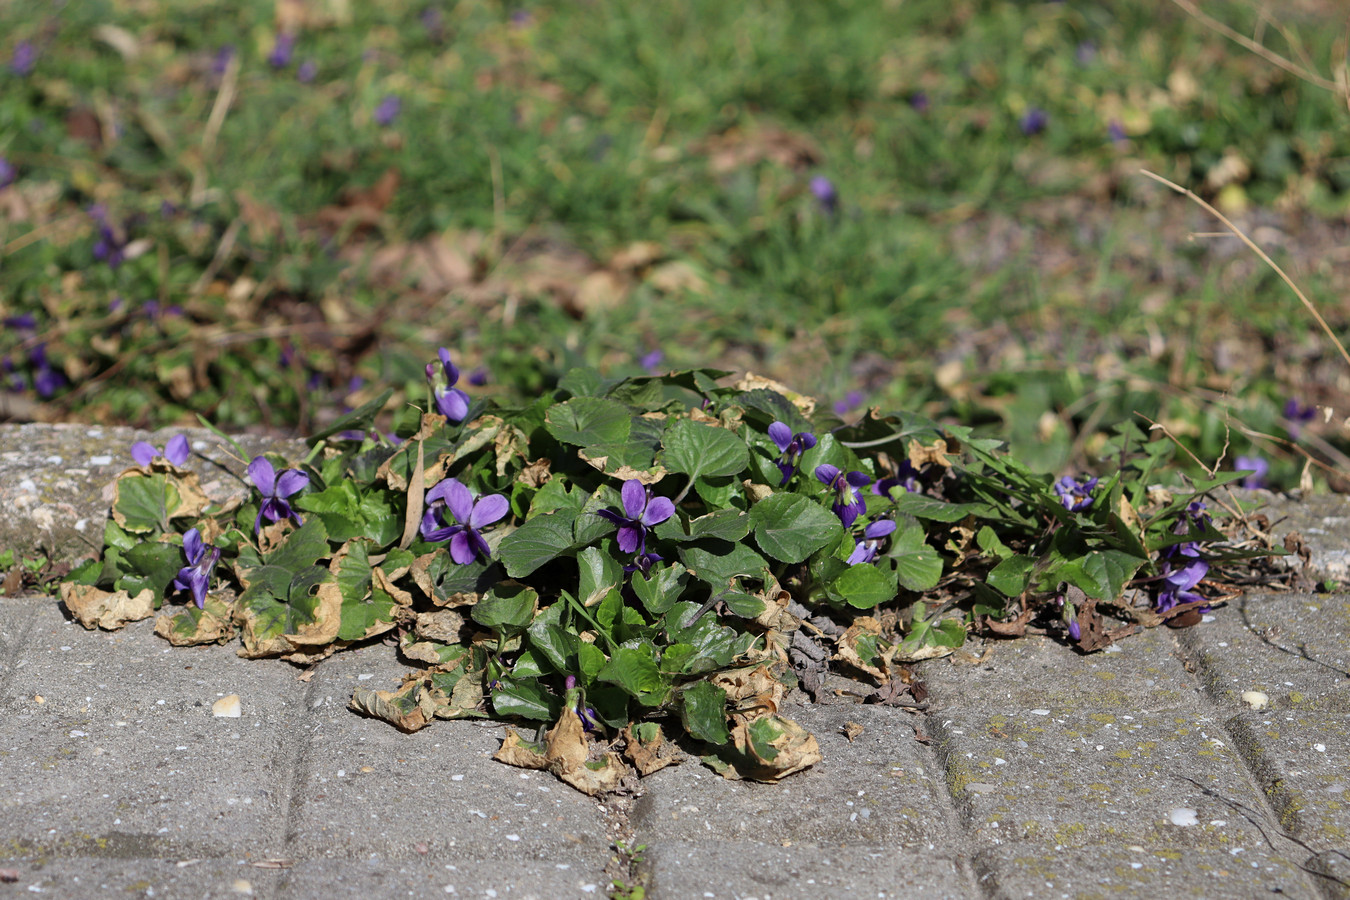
(619, 555)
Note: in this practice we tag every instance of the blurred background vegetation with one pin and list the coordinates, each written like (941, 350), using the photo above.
(264, 211)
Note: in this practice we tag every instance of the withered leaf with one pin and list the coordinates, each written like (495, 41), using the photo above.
(109, 610)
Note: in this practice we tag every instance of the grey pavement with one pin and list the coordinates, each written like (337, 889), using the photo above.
(1035, 772)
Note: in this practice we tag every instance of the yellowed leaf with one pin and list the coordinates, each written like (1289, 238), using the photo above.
(109, 610)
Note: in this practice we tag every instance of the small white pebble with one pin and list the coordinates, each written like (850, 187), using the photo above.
(513, 837)
(241, 886)
(100, 460)
(54, 460)
(1183, 817)
(365, 676)
(456, 777)
(1256, 699)
(227, 707)
(1320, 748)
(1040, 712)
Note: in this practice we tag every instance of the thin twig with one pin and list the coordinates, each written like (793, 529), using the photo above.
(1260, 50)
(1308, 304)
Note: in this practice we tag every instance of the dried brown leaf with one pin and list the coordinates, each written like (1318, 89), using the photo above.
(109, 610)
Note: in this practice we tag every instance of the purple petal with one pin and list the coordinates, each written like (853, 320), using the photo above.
(451, 371)
(658, 510)
(861, 554)
(176, 451)
(488, 510)
(879, 529)
(827, 473)
(780, 434)
(858, 479)
(459, 500)
(1075, 631)
(143, 453)
(808, 440)
(453, 404)
(634, 498)
(616, 518)
(441, 492)
(461, 549)
(192, 546)
(630, 537)
(263, 476)
(291, 481)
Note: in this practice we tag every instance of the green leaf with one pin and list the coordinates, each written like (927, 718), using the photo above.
(145, 502)
(703, 711)
(539, 540)
(863, 586)
(918, 567)
(584, 421)
(359, 419)
(700, 450)
(303, 547)
(763, 732)
(922, 506)
(790, 527)
(747, 606)
(661, 588)
(1010, 576)
(675, 657)
(157, 565)
(1110, 569)
(113, 536)
(507, 607)
(599, 573)
(717, 562)
(526, 699)
(634, 670)
(590, 660)
(722, 524)
(347, 513)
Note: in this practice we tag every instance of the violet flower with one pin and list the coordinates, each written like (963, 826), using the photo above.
(451, 402)
(221, 62)
(24, 58)
(1297, 415)
(1182, 570)
(824, 191)
(308, 69)
(1075, 495)
(469, 517)
(906, 476)
(388, 110)
(1115, 133)
(790, 446)
(282, 50)
(1034, 121)
(590, 720)
(46, 379)
(275, 489)
(110, 246)
(641, 511)
(651, 362)
(848, 504)
(1258, 466)
(7, 173)
(866, 549)
(196, 575)
(919, 101)
(175, 451)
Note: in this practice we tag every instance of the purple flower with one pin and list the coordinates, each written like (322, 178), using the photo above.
(275, 489)
(1034, 121)
(906, 477)
(1182, 570)
(282, 50)
(650, 362)
(1075, 495)
(222, 59)
(848, 504)
(22, 322)
(521, 18)
(196, 575)
(7, 173)
(450, 400)
(919, 101)
(590, 720)
(1257, 466)
(866, 549)
(478, 377)
(1075, 631)
(387, 111)
(308, 69)
(791, 447)
(175, 451)
(46, 380)
(24, 58)
(110, 246)
(641, 511)
(1297, 415)
(469, 516)
(851, 400)
(826, 195)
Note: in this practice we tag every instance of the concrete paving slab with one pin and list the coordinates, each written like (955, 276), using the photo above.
(506, 877)
(1049, 753)
(365, 788)
(857, 824)
(110, 738)
(136, 876)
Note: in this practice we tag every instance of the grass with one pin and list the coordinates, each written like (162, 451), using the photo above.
(571, 184)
